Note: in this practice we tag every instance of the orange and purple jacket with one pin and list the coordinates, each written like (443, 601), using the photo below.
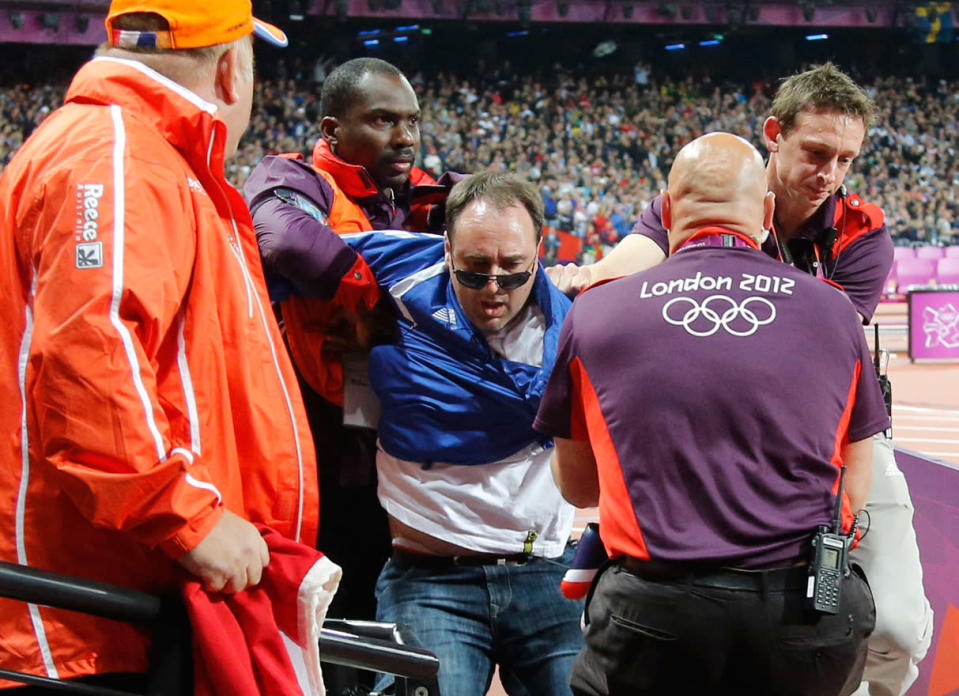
(299, 211)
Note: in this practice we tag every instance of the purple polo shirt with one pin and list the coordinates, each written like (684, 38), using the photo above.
(716, 390)
(860, 268)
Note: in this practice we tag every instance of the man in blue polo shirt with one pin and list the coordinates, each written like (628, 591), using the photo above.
(480, 530)
(708, 502)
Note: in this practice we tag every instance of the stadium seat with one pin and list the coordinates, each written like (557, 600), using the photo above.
(904, 252)
(912, 273)
(930, 252)
(952, 251)
(947, 271)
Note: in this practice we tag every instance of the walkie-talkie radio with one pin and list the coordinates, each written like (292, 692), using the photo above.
(827, 564)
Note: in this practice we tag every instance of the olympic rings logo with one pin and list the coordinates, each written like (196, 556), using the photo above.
(720, 312)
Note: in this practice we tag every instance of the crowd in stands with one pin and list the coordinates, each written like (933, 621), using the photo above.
(599, 145)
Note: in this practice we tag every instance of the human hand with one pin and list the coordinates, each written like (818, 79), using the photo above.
(570, 278)
(352, 331)
(230, 558)
(345, 332)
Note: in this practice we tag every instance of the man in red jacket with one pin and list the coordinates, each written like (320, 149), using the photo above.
(150, 412)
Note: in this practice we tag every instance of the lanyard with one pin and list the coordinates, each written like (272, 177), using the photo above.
(717, 237)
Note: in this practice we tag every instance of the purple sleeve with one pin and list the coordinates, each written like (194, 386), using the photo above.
(295, 245)
(301, 249)
(861, 270)
(869, 410)
(555, 408)
(651, 225)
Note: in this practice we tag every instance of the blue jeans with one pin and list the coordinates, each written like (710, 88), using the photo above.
(476, 617)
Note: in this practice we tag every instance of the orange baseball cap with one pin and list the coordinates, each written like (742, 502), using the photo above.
(193, 24)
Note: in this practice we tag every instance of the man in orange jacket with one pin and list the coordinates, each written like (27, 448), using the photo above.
(151, 413)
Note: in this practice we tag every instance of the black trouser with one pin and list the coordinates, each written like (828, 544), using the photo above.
(353, 527)
(694, 635)
(354, 531)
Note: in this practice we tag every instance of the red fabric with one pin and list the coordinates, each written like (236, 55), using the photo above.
(842, 439)
(357, 287)
(862, 217)
(237, 646)
(569, 246)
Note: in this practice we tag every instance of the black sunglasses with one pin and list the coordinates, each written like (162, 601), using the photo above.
(478, 281)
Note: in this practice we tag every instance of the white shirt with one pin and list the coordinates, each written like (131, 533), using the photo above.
(510, 506)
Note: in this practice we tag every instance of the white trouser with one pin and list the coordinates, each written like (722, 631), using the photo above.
(889, 555)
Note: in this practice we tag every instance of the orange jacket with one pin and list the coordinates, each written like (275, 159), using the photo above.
(145, 386)
(343, 199)
(306, 319)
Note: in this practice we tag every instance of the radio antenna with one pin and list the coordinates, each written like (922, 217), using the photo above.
(837, 511)
(875, 351)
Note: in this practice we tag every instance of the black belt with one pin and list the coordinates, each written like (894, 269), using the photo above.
(760, 580)
(424, 560)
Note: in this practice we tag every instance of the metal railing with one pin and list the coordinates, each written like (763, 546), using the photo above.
(365, 645)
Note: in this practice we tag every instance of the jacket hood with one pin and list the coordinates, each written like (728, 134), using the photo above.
(179, 115)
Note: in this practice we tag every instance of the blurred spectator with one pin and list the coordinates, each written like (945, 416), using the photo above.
(551, 244)
(603, 143)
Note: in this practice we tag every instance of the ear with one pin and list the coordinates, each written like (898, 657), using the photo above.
(329, 125)
(666, 215)
(447, 250)
(771, 132)
(227, 75)
(769, 209)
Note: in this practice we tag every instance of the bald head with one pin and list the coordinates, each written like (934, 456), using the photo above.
(717, 179)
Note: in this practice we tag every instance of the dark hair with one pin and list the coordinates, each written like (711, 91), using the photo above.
(502, 190)
(340, 91)
(822, 87)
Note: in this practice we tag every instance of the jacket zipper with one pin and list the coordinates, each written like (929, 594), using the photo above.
(233, 238)
(391, 197)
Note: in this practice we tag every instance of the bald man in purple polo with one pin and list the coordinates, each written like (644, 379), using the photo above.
(675, 404)
(815, 131)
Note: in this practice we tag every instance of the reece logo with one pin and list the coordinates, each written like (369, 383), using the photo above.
(89, 251)
(88, 211)
(89, 255)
